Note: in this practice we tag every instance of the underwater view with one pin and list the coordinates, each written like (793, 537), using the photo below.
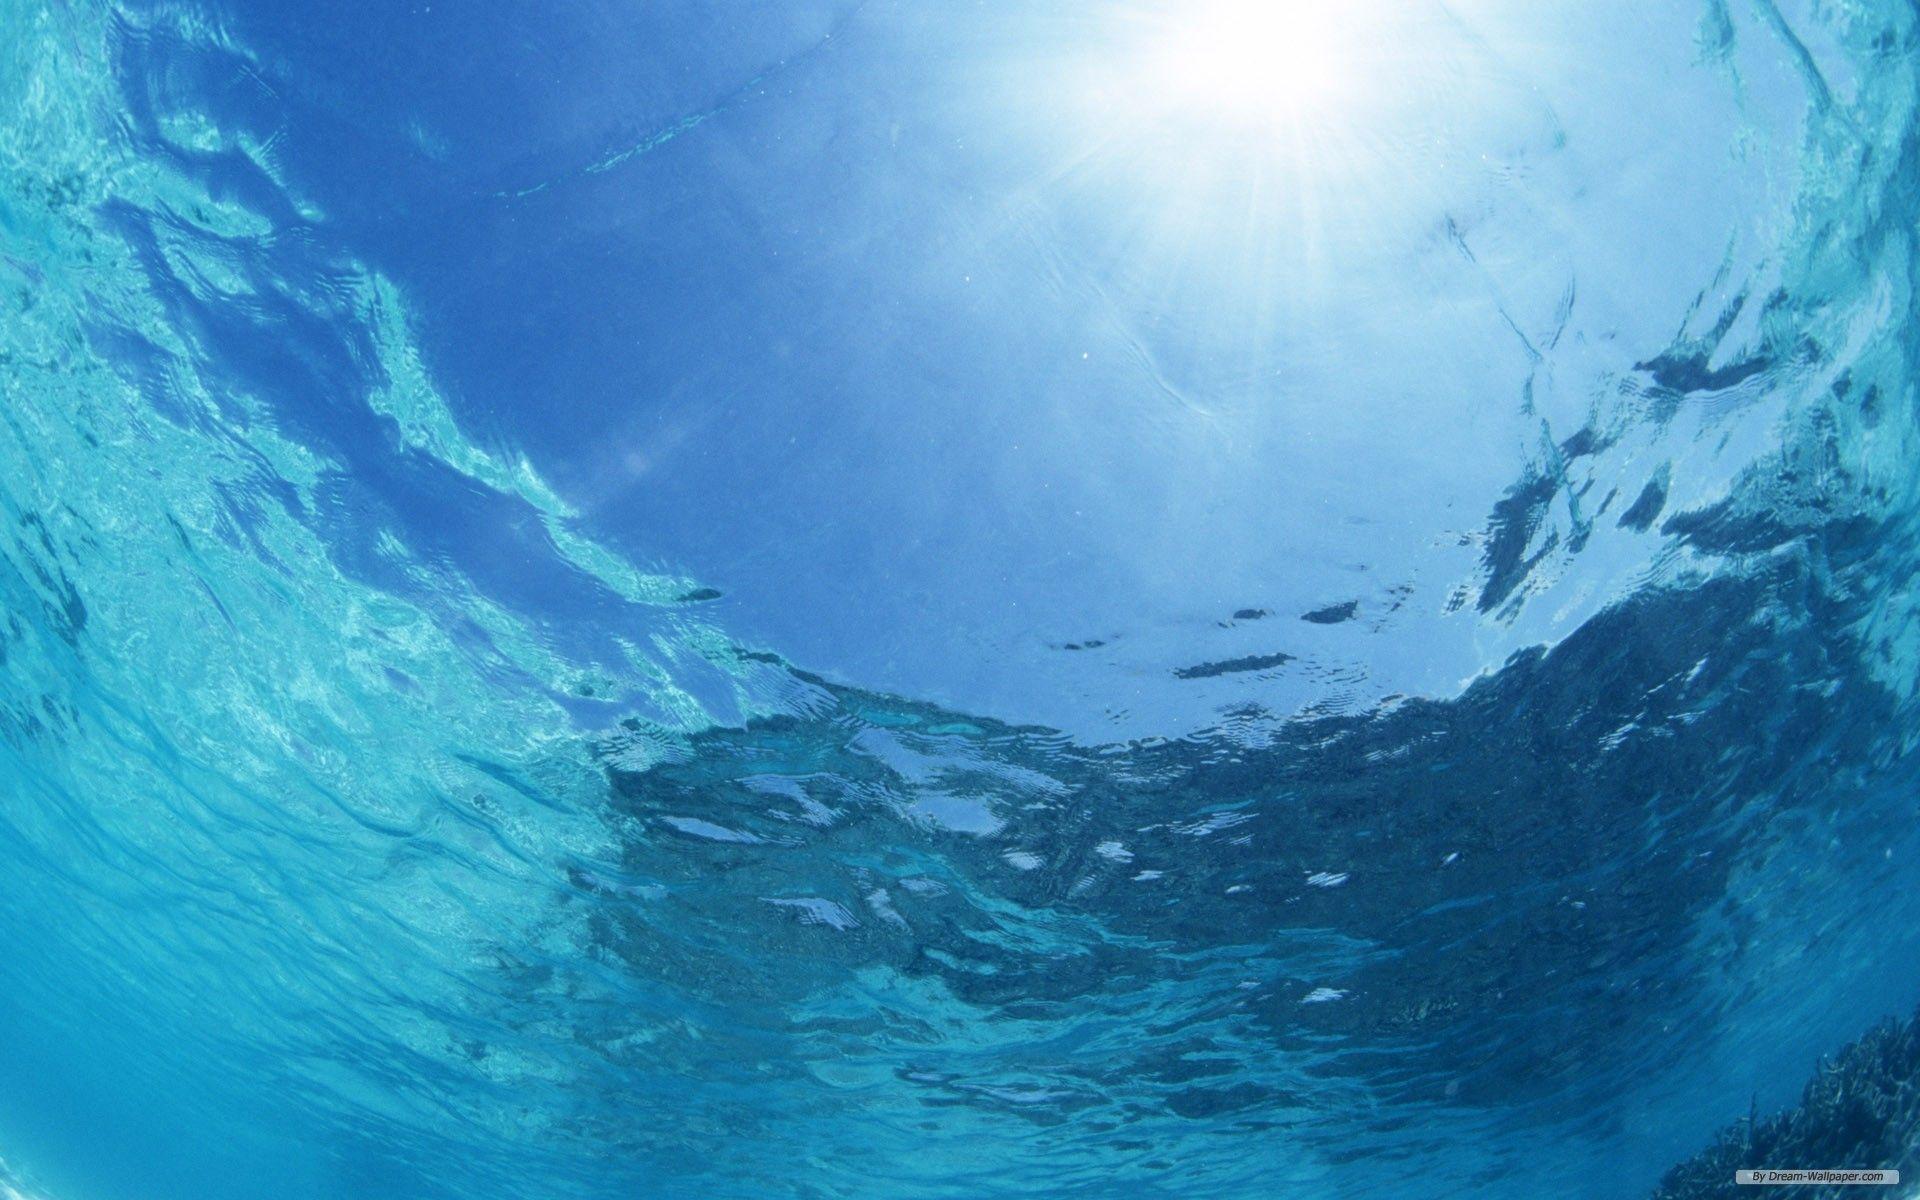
(959, 599)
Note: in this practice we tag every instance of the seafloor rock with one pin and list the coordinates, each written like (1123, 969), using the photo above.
(1862, 1109)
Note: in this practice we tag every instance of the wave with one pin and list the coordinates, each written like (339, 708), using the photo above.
(373, 829)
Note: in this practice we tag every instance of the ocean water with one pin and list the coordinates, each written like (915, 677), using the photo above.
(912, 598)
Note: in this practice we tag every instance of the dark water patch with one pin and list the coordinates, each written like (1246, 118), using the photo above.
(1691, 372)
(1588, 441)
(1646, 508)
(1517, 517)
(1233, 666)
(1332, 614)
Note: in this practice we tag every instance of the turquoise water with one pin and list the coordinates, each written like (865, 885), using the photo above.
(861, 600)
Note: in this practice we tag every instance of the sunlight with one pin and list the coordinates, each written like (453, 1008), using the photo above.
(1260, 60)
(1247, 148)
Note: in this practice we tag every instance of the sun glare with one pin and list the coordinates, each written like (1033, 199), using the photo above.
(1254, 59)
(1248, 149)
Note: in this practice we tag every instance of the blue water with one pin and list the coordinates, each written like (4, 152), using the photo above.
(925, 599)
